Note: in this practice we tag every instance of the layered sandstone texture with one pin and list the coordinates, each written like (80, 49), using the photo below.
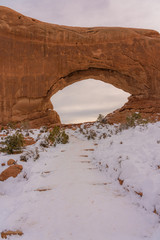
(38, 59)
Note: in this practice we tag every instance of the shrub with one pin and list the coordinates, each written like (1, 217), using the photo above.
(57, 136)
(24, 158)
(34, 154)
(104, 135)
(88, 133)
(38, 137)
(13, 143)
(81, 130)
(135, 119)
(92, 135)
(31, 131)
(27, 134)
(11, 125)
(44, 143)
(101, 119)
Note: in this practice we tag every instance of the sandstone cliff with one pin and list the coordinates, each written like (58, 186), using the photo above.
(37, 59)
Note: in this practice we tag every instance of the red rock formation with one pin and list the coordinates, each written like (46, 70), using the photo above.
(11, 162)
(38, 59)
(29, 141)
(11, 171)
(5, 234)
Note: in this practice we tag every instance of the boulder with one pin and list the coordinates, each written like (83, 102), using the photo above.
(11, 171)
(11, 162)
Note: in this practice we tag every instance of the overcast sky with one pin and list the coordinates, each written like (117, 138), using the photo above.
(85, 100)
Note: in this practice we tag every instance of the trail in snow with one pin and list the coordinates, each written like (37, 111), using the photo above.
(78, 205)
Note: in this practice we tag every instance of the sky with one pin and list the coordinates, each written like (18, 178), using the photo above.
(70, 103)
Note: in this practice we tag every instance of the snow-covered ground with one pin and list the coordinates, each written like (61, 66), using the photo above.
(105, 188)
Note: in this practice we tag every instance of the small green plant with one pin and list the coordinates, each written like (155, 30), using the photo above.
(101, 119)
(104, 135)
(11, 125)
(92, 135)
(38, 137)
(36, 154)
(81, 130)
(23, 158)
(30, 154)
(57, 136)
(44, 143)
(135, 119)
(13, 143)
(64, 138)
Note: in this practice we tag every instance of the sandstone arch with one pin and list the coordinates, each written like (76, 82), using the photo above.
(37, 59)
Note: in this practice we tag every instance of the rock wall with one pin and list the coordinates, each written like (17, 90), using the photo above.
(38, 59)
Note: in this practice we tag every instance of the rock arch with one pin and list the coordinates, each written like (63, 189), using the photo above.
(37, 59)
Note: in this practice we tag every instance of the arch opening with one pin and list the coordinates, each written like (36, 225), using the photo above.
(84, 100)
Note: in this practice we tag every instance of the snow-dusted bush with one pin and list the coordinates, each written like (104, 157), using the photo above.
(98, 131)
(101, 119)
(135, 119)
(57, 135)
(13, 143)
(44, 143)
(91, 134)
(11, 125)
(30, 154)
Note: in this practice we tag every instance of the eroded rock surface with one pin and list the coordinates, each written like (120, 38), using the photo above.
(6, 234)
(11, 162)
(11, 171)
(38, 59)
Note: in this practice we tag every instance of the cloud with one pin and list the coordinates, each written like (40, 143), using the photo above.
(127, 13)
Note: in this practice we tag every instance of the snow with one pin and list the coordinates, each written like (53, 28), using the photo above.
(84, 199)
